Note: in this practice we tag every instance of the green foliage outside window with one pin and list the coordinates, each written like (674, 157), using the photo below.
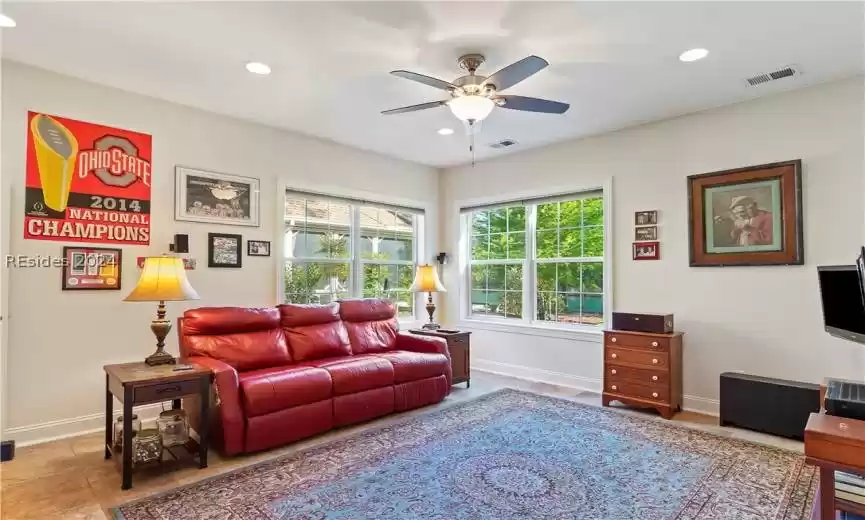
(568, 291)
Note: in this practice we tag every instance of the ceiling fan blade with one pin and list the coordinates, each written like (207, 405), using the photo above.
(413, 108)
(426, 80)
(515, 72)
(530, 104)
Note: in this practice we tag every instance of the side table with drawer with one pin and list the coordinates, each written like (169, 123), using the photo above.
(643, 369)
(135, 384)
(459, 346)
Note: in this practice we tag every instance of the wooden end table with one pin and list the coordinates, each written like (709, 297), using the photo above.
(459, 346)
(138, 383)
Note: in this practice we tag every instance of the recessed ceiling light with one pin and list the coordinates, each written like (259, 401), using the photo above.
(693, 55)
(445, 131)
(257, 68)
(5, 21)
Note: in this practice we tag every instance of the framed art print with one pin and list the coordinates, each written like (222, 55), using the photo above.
(257, 248)
(215, 198)
(646, 233)
(747, 216)
(91, 268)
(647, 251)
(224, 250)
(646, 218)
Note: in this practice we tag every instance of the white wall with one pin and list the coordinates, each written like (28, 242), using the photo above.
(763, 320)
(59, 341)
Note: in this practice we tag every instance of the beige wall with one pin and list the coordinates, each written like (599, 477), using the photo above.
(58, 341)
(763, 320)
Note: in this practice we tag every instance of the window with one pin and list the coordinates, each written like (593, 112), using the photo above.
(539, 262)
(341, 248)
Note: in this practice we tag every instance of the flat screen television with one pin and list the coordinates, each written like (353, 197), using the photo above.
(843, 305)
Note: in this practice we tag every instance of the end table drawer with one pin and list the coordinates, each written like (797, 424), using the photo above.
(165, 391)
(458, 340)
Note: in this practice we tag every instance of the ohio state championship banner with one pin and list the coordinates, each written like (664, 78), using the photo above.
(86, 182)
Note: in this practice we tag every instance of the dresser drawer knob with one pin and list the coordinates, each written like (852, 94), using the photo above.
(654, 378)
(654, 361)
(613, 355)
(613, 371)
(614, 387)
(654, 394)
(654, 343)
(613, 339)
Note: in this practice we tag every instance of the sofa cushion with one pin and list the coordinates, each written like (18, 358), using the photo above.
(245, 338)
(412, 366)
(314, 331)
(371, 324)
(271, 389)
(356, 373)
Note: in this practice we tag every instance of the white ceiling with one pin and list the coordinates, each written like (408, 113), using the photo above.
(616, 63)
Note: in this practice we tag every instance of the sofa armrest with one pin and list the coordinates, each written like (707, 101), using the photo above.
(228, 393)
(426, 344)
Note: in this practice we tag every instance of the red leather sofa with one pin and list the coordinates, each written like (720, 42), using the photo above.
(288, 372)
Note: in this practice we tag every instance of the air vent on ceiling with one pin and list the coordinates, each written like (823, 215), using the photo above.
(789, 71)
(504, 143)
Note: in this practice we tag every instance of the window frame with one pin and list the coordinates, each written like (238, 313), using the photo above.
(529, 324)
(355, 262)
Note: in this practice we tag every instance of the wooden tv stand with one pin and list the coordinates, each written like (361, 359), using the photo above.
(834, 444)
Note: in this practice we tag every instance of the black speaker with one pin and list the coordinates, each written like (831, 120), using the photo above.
(181, 243)
(7, 450)
(767, 405)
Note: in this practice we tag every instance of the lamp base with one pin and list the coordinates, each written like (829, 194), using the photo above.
(160, 327)
(431, 326)
(160, 357)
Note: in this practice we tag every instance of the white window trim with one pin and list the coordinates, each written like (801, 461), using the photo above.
(420, 234)
(527, 325)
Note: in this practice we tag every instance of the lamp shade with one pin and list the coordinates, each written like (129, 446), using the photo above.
(427, 280)
(162, 279)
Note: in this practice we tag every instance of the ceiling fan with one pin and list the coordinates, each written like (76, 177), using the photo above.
(473, 97)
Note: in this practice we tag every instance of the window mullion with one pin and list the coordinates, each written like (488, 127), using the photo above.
(356, 282)
(530, 284)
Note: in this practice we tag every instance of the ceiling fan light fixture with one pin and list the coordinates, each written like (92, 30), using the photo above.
(471, 108)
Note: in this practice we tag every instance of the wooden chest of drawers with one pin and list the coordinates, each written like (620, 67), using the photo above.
(643, 369)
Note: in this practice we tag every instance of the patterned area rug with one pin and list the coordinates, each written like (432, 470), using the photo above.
(508, 455)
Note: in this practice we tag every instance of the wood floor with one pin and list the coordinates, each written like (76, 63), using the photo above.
(68, 479)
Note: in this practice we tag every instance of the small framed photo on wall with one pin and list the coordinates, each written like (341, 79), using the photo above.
(647, 251)
(89, 268)
(646, 218)
(258, 248)
(642, 234)
(224, 250)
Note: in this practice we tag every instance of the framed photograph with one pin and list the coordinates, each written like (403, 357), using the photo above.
(224, 250)
(646, 218)
(642, 234)
(215, 198)
(747, 216)
(91, 268)
(257, 248)
(647, 250)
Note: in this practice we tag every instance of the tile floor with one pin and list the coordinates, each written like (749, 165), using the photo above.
(68, 479)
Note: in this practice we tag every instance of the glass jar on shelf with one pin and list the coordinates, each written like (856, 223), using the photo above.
(146, 446)
(118, 430)
(173, 427)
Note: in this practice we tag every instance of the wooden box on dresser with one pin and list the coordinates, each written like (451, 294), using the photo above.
(643, 369)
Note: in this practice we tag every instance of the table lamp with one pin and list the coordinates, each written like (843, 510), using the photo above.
(162, 279)
(427, 280)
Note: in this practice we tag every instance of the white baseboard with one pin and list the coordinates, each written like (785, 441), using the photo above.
(71, 427)
(537, 375)
(691, 403)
